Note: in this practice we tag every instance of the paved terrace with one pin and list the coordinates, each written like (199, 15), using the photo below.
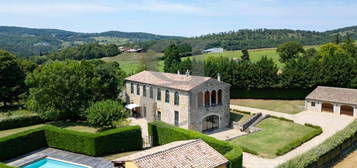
(95, 162)
(330, 124)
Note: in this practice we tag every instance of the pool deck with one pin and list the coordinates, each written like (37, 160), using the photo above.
(95, 162)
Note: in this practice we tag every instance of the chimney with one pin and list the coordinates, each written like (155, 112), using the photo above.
(178, 72)
(187, 73)
(219, 76)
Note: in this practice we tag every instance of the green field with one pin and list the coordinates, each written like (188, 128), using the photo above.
(275, 135)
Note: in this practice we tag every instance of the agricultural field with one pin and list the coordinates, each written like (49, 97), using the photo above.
(284, 106)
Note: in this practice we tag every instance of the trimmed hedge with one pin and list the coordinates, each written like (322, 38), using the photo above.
(107, 142)
(21, 121)
(163, 133)
(326, 151)
(22, 143)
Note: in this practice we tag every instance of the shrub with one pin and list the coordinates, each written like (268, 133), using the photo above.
(105, 113)
(331, 144)
(107, 142)
(21, 143)
(163, 133)
(22, 121)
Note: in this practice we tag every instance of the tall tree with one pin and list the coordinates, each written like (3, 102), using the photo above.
(245, 56)
(290, 50)
(11, 78)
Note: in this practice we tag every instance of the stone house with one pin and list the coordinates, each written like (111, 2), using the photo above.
(191, 102)
(178, 154)
(339, 101)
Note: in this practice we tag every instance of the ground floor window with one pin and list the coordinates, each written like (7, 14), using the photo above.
(210, 123)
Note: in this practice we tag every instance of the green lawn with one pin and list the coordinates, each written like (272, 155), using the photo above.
(275, 135)
(284, 106)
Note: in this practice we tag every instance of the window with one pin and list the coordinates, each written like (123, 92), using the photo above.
(176, 118)
(131, 88)
(207, 98)
(158, 94)
(177, 98)
(200, 99)
(313, 104)
(137, 89)
(167, 96)
(213, 98)
(144, 111)
(151, 92)
(144, 90)
(158, 116)
(220, 97)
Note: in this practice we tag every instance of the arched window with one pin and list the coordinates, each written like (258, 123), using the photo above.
(144, 91)
(131, 88)
(177, 98)
(200, 99)
(158, 94)
(207, 98)
(213, 97)
(167, 96)
(137, 89)
(151, 92)
(220, 97)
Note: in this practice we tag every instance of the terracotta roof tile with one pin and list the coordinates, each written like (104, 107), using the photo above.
(334, 94)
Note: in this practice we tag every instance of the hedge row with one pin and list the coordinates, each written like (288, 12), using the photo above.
(107, 142)
(21, 121)
(326, 151)
(294, 144)
(163, 133)
(97, 144)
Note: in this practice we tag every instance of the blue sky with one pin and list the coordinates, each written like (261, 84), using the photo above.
(178, 17)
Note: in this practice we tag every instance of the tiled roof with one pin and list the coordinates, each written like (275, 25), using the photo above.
(334, 94)
(179, 154)
(175, 81)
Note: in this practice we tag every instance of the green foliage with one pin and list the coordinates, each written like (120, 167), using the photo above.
(63, 90)
(21, 143)
(331, 144)
(289, 50)
(105, 113)
(107, 142)
(21, 121)
(11, 78)
(163, 133)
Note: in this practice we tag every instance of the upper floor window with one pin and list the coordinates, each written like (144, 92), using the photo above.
(167, 96)
(158, 94)
(220, 97)
(151, 92)
(144, 90)
(177, 98)
(137, 89)
(131, 88)
(213, 97)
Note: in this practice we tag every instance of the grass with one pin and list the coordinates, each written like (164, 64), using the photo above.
(275, 135)
(284, 106)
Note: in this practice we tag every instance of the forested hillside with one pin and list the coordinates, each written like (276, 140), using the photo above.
(28, 41)
(257, 38)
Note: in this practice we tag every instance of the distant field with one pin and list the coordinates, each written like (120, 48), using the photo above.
(131, 62)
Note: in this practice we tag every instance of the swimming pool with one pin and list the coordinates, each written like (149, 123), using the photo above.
(53, 163)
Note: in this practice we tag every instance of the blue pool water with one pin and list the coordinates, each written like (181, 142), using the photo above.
(51, 163)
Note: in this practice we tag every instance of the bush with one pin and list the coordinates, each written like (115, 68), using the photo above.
(331, 144)
(107, 142)
(21, 143)
(105, 113)
(163, 133)
(22, 121)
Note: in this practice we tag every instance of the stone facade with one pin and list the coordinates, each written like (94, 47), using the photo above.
(192, 109)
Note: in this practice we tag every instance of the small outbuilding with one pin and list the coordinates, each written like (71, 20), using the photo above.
(178, 154)
(340, 101)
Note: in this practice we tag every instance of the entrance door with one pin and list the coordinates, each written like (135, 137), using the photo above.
(347, 110)
(327, 107)
(210, 123)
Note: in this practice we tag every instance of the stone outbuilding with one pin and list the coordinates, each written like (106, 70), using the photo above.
(340, 101)
(178, 154)
(187, 101)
